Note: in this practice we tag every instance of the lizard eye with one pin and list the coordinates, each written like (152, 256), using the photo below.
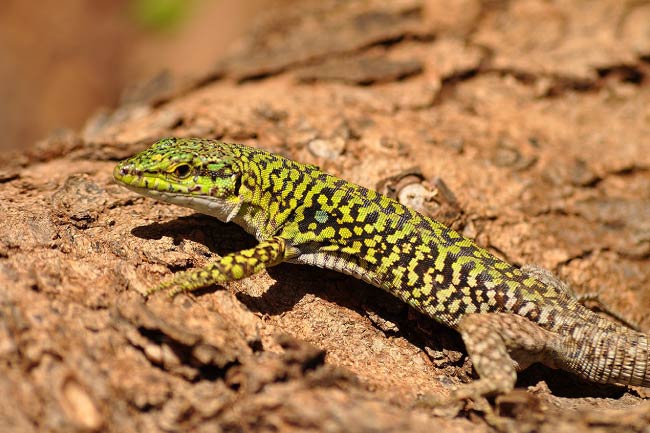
(182, 171)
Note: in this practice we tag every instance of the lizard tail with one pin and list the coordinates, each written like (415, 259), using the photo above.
(619, 356)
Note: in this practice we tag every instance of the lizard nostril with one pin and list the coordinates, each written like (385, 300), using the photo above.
(121, 170)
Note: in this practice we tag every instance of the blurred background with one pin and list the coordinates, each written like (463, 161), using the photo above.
(62, 60)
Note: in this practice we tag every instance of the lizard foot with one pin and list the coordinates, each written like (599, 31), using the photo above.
(181, 282)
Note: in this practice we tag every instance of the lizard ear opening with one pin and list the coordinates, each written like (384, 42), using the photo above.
(237, 185)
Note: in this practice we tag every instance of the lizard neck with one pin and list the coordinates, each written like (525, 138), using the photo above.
(270, 190)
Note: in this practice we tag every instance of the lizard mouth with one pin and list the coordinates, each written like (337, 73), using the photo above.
(148, 188)
(151, 186)
(204, 204)
(166, 196)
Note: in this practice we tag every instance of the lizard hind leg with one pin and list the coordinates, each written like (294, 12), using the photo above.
(500, 344)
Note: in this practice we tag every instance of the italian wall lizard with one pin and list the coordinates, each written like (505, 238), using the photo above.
(508, 317)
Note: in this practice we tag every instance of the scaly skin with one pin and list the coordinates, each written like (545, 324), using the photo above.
(508, 317)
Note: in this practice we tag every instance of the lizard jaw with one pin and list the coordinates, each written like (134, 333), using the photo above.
(221, 209)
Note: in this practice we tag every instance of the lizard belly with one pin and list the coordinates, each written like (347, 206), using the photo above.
(340, 263)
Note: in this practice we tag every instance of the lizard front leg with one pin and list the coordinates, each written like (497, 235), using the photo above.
(233, 266)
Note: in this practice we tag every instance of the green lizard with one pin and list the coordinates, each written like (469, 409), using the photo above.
(508, 317)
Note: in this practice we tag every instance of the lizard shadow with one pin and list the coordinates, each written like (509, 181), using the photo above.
(567, 385)
(293, 282)
(220, 238)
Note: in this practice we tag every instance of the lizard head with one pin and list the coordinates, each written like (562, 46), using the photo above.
(195, 173)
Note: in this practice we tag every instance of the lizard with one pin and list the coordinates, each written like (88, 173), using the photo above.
(508, 317)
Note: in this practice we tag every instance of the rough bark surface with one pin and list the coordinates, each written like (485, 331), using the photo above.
(526, 125)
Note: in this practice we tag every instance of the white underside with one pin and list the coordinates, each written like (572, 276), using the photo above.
(339, 264)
